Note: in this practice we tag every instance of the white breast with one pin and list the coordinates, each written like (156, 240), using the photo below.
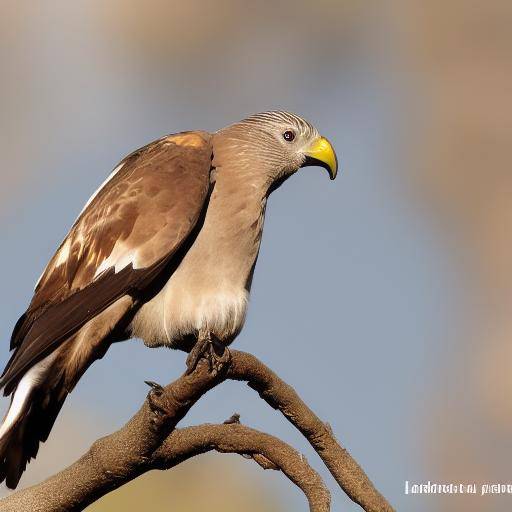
(208, 290)
(177, 312)
(220, 311)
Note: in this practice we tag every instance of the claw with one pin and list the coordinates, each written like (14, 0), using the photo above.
(154, 386)
(207, 348)
(215, 360)
(157, 402)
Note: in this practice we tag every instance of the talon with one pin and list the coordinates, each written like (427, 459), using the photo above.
(157, 403)
(215, 360)
(154, 387)
(207, 348)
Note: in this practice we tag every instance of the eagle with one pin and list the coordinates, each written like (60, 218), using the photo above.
(163, 251)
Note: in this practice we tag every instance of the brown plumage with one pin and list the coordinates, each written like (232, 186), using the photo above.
(163, 251)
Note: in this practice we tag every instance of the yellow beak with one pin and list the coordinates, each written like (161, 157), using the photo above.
(320, 152)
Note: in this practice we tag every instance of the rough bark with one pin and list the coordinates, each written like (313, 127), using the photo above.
(150, 440)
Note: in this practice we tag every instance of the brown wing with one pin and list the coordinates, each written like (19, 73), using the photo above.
(123, 239)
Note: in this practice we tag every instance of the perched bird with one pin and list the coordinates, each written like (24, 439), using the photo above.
(164, 251)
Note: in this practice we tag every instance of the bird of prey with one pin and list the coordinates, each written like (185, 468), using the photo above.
(163, 251)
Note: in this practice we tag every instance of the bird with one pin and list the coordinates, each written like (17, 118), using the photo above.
(163, 251)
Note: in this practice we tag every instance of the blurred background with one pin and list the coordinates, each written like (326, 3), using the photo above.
(383, 297)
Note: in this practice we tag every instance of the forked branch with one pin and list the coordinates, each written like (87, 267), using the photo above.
(150, 440)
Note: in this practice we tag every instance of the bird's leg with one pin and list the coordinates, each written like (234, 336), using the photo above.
(214, 352)
(197, 351)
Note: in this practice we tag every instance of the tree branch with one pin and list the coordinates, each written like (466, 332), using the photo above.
(61, 492)
(280, 395)
(269, 451)
(149, 438)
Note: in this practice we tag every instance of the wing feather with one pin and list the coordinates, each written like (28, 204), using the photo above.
(121, 242)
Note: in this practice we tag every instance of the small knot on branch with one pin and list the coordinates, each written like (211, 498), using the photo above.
(235, 418)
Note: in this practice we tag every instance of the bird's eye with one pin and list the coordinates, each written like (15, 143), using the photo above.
(288, 136)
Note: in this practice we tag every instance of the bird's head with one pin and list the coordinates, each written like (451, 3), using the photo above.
(277, 144)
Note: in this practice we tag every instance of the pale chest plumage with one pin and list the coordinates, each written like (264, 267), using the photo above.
(210, 288)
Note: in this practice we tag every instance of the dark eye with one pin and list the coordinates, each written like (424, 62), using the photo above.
(288, 135)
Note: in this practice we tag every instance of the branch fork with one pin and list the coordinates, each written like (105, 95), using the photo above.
(150, 440)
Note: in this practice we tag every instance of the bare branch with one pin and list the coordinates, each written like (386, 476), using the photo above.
(278, 394)
(119, 457)
(122, 456)
(233, 438)
(60, 492)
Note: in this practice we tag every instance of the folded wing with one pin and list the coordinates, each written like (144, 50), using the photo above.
(123, 240)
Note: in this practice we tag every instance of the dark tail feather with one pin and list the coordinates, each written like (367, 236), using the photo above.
(39, 392)
(20, 443)
(15, 461)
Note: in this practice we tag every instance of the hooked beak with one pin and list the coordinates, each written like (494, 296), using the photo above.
(321, 153)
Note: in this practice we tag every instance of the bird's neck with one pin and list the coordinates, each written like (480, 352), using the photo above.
(238, 204)
(233, 224)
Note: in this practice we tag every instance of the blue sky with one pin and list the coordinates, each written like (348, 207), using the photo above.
(353, 292)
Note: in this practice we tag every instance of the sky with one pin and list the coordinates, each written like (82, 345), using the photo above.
(356, 291)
